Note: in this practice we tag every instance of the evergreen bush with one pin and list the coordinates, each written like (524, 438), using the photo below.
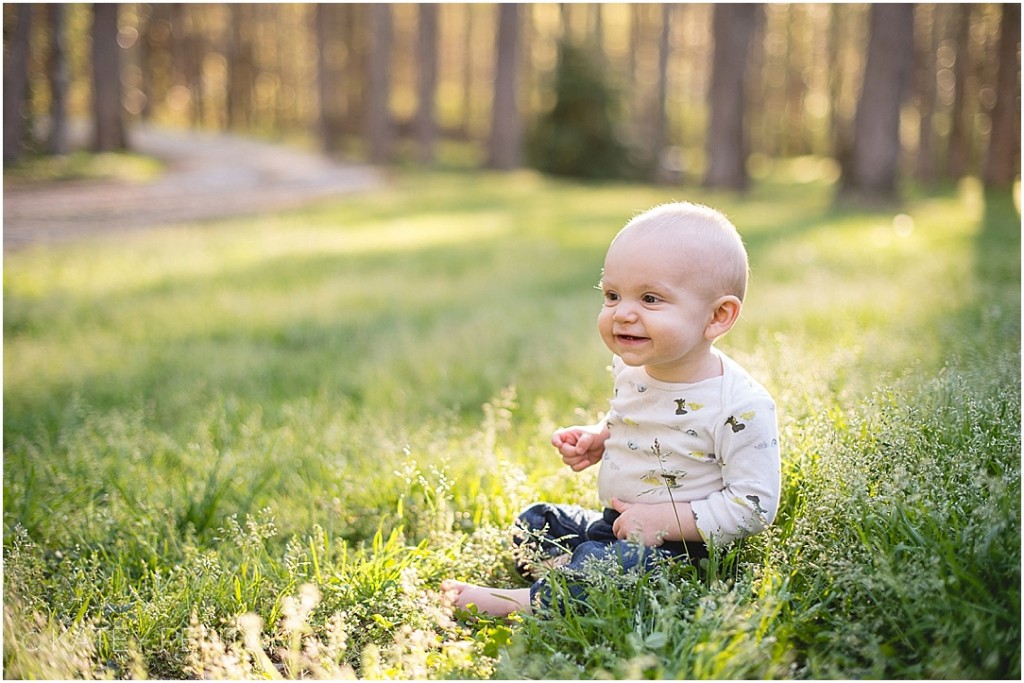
(578, 137)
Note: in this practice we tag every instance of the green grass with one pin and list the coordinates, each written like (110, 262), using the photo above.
(124, 166)
(227, 443)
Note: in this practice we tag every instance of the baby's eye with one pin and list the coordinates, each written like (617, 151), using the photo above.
(650, 299)
(611, 297)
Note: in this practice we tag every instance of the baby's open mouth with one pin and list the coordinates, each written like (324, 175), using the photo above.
(630, 338)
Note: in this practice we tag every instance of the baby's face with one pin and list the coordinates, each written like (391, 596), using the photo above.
(654, 314)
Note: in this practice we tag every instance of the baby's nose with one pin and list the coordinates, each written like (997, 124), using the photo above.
(625, 312)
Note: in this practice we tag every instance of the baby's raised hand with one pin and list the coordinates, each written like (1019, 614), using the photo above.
(580, 447)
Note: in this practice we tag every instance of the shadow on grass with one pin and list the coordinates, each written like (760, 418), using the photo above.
(993, 319)
(295, 326)
(998, 244)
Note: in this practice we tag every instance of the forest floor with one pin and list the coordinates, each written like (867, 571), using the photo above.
(205, 176)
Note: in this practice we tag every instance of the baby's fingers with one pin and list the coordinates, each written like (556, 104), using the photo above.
(571, 459)
(564, 437)
(568, 450)
(578, 463)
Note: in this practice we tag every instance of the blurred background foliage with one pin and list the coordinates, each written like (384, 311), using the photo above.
(925, 91)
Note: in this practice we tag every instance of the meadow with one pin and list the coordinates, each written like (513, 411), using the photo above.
(254, 447)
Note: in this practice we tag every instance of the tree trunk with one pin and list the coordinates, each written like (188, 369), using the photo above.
(379, 131)
(195, 49)
(873, 166)
(659, 130)
(795, 138)
(354, 73)
(426, 121)
(329, 85)
(633, 114)
(60, 79)
(241, 68)
(566, 15)
(959, 133)
(16, 86)
(596, 35)
(837, 127)
(1003, 163)
(733, 27)
(469, 31)
(108, 131)
(156, 58)
(926, 89)
(504, 150)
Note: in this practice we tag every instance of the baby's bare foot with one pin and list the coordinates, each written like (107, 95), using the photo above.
(498, 602)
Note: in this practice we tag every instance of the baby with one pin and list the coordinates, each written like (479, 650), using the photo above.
(689, 449)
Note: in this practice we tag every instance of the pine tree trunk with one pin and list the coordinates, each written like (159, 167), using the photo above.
(108, 132)
(468, 33)
(733, 27)
(426, 121)
(240, 68)
(329, 85)
(504, 150)
(1003, 163)
(873, 166)
(926, 89)
(659, 134)
(60, 79)
(379, 131)
(959, 134)
(16, 86)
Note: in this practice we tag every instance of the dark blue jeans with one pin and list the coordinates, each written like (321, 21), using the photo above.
(555, 530)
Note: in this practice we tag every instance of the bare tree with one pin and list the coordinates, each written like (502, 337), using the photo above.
(60, 81)
(329, 85)
(659, 131)
(108, 126)
(794, 138)
(187, 53)
(468, 34)
(959, 133)
(636, 39)
(16, 85)
(1003, 162)
(356, 41)
(426, 121)
(837, 124)
(925, 75)
(733, 27)
(871, 170)
(241, 66)
(505, 146)
(379, 131)
(595, 34)
(156, 59)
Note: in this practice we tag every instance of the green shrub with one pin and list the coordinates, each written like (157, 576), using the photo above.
(579, 136)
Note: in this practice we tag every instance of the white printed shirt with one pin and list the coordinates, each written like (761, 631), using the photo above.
(713, 444)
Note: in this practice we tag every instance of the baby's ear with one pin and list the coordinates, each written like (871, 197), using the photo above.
(724, 315)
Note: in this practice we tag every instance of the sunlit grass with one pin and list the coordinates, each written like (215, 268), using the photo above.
(200, 419)
(121, 166)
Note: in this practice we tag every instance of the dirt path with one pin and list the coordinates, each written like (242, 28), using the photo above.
(207, 176)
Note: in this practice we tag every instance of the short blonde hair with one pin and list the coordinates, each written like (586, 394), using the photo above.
(716, 245)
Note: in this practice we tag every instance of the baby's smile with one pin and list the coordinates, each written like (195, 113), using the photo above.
(629, 339)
